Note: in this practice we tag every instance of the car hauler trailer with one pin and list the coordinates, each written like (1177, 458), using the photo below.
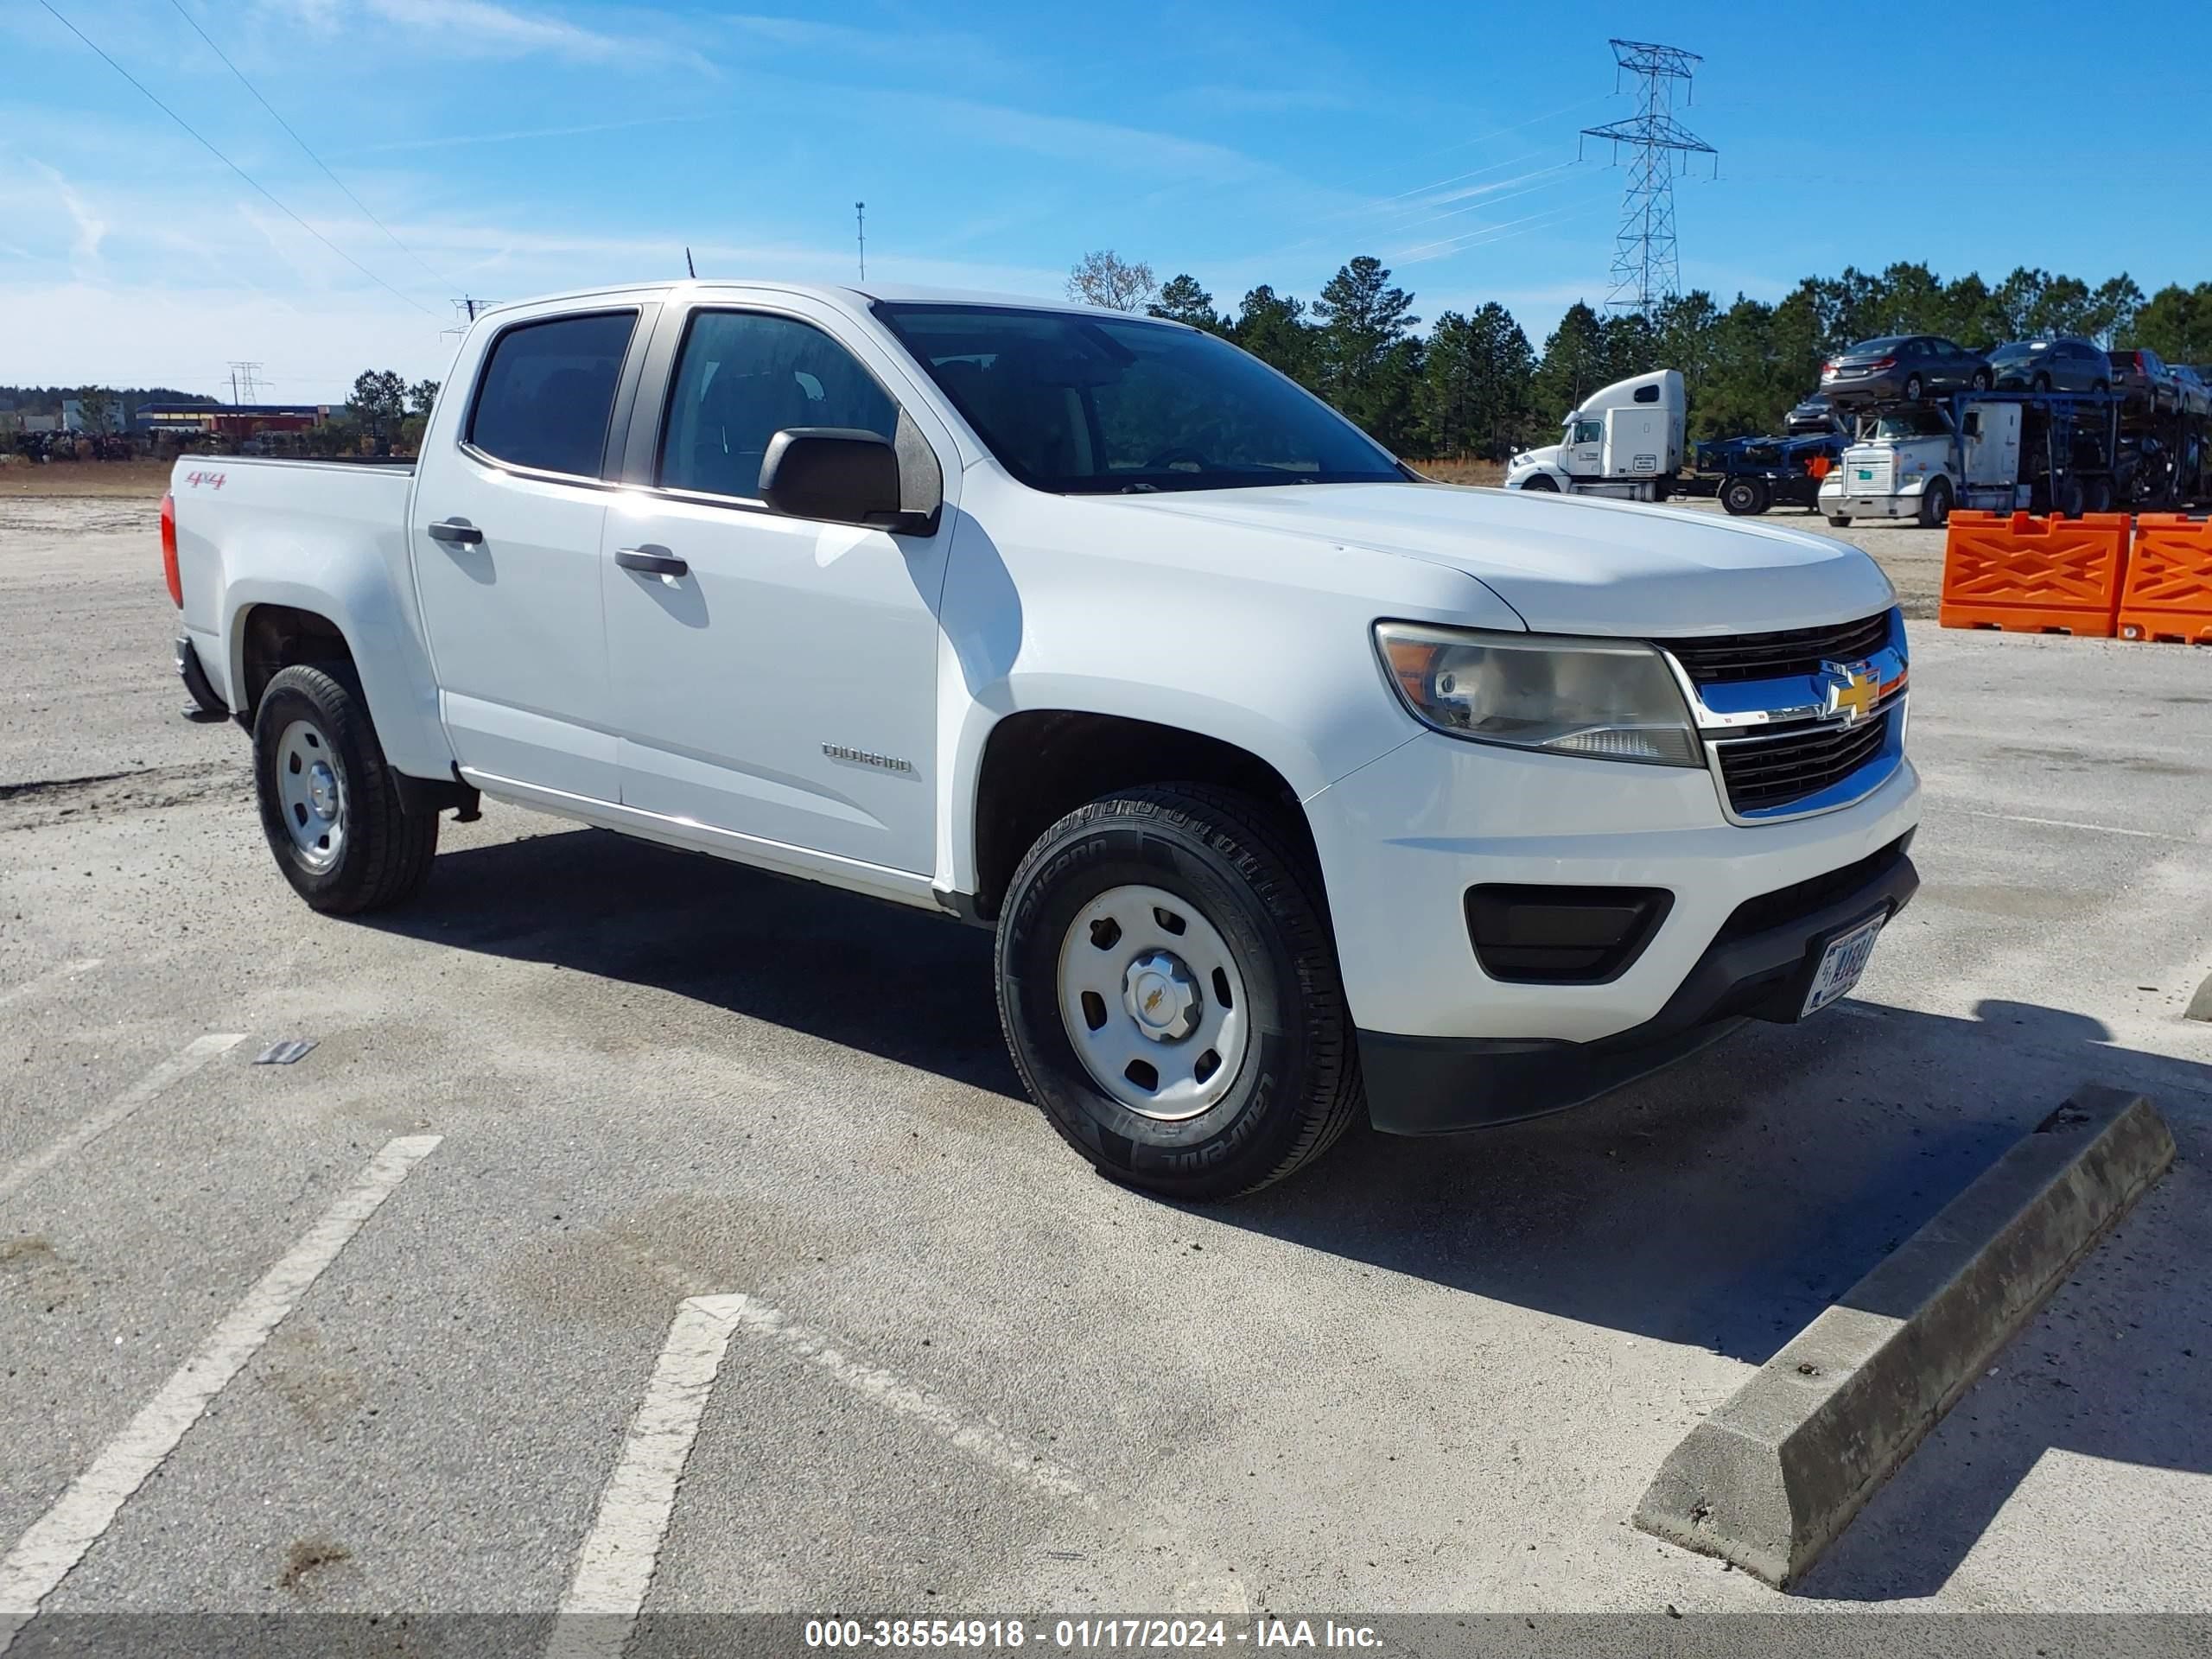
(1624, 440)
(2067, 453)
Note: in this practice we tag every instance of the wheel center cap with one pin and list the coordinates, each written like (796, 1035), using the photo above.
(323, 790)
(1162, 996)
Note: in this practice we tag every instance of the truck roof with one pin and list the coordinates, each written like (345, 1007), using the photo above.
(842, 293)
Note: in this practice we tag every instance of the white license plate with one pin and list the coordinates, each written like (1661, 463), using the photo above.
(1841, 963)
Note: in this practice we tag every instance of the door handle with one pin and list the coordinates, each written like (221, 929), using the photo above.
(458, 530)
(652, 561)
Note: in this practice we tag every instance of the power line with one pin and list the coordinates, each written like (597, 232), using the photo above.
(303, 144)
(233, 166)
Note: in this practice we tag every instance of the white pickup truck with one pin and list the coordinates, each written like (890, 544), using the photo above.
(1294, 786)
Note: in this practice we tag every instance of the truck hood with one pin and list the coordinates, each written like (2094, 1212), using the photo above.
(1572, 564)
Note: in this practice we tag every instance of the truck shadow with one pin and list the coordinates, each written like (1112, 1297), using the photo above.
(1719, 1205)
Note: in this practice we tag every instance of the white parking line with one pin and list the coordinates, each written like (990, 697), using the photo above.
(2076, 824)
(985, 1440)
(615, 1567)
(30, 987)
(195, 1054)
(58, 1540)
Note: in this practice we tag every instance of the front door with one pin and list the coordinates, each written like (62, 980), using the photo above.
(782, 683)
(1584, 456)
(507, 533)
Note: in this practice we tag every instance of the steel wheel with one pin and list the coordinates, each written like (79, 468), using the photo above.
(311, 790)
(1153, 1001)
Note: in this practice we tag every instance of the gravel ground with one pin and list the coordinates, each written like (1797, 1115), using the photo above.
(973, 1377)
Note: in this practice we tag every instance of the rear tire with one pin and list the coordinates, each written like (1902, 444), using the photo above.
(329, 804)
(2068, 499)
(1913, 388)
(1746, 498)
(1936, 503)
(1215, 896)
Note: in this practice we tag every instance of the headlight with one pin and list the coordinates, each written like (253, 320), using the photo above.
(1602, 699)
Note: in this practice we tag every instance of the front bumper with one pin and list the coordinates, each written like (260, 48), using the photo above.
(1402, 839)
(1759, 967)
(1900, 505)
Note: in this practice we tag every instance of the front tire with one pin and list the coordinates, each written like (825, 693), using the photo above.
(1169, 991)
(329, 805)
(1936, 503)
(1541, 485)
(1840, 520)
(1745, 497)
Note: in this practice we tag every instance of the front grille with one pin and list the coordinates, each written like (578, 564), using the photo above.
(1762, 774)
(1776, 656)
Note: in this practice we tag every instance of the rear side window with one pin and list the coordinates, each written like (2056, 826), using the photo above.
(1647, 394)
(744, 376)
(549, 391)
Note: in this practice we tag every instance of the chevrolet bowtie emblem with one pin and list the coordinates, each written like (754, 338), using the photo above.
(1853, 689)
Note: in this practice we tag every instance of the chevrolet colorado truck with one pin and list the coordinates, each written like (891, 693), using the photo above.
(1293, 785)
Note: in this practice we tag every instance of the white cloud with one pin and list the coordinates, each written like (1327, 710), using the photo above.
(90, 228)
(1072, 138)
(486, 29)
(940, 50)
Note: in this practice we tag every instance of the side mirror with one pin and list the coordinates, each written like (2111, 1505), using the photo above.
(841, 475)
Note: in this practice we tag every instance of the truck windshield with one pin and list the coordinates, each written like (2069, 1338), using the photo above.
(1915, 423)
(1080, 404)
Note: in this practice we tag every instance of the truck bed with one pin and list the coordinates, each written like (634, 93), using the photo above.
(259, 529)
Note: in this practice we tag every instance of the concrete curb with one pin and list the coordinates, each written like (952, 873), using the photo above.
(1773, 1476)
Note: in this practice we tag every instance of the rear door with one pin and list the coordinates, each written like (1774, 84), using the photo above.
(781, 686)
(506, 531)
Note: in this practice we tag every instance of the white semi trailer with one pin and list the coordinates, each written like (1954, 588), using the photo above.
(1624, 441)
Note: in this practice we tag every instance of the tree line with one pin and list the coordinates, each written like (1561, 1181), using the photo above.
(1474, 384)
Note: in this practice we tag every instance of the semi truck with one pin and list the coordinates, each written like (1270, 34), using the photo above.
(1623, 440)
(2063, 453)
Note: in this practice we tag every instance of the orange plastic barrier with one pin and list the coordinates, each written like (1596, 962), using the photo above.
(2035, 576)
(2168, 594)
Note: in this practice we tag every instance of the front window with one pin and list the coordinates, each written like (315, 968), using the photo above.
(744, 376)
(1915, 423)
(1081, 404)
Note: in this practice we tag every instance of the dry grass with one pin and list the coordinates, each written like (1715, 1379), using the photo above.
(81, 479)
(1489, 473)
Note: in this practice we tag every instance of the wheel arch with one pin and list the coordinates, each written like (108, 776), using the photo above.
(1037, 765)
(271, 624)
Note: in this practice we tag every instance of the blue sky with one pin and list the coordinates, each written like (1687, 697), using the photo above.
(515, 148)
